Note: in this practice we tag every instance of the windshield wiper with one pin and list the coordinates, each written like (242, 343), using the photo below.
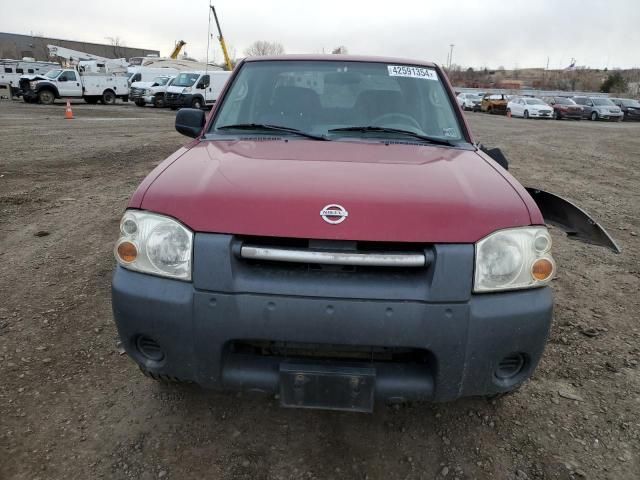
(275, 128)
(426, 138)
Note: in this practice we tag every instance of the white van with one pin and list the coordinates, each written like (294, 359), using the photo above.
(196, 89)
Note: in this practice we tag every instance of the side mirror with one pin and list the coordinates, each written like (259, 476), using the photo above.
(496, 155)
(189, 121)
(202, 85)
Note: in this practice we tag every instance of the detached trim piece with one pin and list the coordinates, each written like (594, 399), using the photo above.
(570, 218)
(334, 258)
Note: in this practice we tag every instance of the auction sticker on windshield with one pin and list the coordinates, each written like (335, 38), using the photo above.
(413, 72)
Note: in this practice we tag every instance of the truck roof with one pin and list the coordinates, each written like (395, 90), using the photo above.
(344, 58)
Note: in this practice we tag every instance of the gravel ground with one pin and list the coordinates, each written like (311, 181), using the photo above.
(71, 406)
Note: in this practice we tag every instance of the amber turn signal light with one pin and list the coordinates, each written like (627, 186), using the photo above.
(127, 252)
(542, 269)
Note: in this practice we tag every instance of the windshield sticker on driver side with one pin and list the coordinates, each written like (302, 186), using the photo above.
(412, 72)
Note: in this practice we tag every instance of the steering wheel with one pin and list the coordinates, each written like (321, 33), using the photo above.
(404, 120)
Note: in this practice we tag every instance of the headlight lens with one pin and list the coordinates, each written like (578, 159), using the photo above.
(155, 244)
(186, 90)
(514, 259)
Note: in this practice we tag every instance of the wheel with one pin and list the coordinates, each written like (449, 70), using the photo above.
(489, 110)
(594, 116)
(139, 102)
(158, 101)
(556, 115)
(46, 97)
(526, 114)
(108, 98)
(196, 103)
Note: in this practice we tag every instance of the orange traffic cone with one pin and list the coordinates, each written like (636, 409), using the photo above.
(68, 113)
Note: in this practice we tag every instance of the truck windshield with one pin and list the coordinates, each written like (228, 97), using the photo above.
(603, 101)
(185, 79)
(336, 99)
(53, 73)
(159, 81)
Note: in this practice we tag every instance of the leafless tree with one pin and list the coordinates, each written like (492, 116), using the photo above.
(340, 50)
(260, 48)
(117, 43)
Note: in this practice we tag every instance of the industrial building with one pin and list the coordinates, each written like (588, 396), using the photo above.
(17, 46)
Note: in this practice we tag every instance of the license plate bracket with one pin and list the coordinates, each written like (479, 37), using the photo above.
(329, 387)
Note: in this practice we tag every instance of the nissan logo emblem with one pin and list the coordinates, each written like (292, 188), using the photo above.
(334, 213)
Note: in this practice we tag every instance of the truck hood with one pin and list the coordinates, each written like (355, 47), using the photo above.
(399, 193)
(141, 84)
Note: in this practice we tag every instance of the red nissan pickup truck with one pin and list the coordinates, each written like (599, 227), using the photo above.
(334, 236)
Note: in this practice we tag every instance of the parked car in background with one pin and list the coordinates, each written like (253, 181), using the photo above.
(469, 101)
(599, 108)
(629, 106)
(529, 108)
(564, 107)
(494, 103)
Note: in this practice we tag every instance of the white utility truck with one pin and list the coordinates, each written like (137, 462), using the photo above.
(196, 89)
(11, 71)
(150, 93)
(76, 83)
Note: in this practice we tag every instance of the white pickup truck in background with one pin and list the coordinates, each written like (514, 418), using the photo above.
(92, 86)
(150, 93)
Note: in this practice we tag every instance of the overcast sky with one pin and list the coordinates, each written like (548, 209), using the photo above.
(491, 33)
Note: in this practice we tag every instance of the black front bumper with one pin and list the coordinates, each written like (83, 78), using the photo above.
(635, 115)
(179, 100)
(461, 341)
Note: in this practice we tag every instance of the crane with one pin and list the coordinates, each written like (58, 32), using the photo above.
(176, 50)
(223, 45)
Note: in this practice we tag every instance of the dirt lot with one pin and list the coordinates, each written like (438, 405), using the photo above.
(72, 407)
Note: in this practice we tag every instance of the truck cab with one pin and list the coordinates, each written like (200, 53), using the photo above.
(196, 89)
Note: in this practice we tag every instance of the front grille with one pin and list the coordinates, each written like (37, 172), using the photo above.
(373, 256)
(285, 350)
(136, 92)
(172, 96)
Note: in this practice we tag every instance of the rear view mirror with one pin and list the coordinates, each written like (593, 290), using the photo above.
(189, 121)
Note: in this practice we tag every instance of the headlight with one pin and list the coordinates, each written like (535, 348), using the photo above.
(186, 90)
(146, 91)
(513, 259)
(155, 244)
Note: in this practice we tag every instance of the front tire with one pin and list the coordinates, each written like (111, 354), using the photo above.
(594, 116)
(108, 98)
(526, 114)
(196, 103)
(158, 101)
(46, 97)
(139, 103)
